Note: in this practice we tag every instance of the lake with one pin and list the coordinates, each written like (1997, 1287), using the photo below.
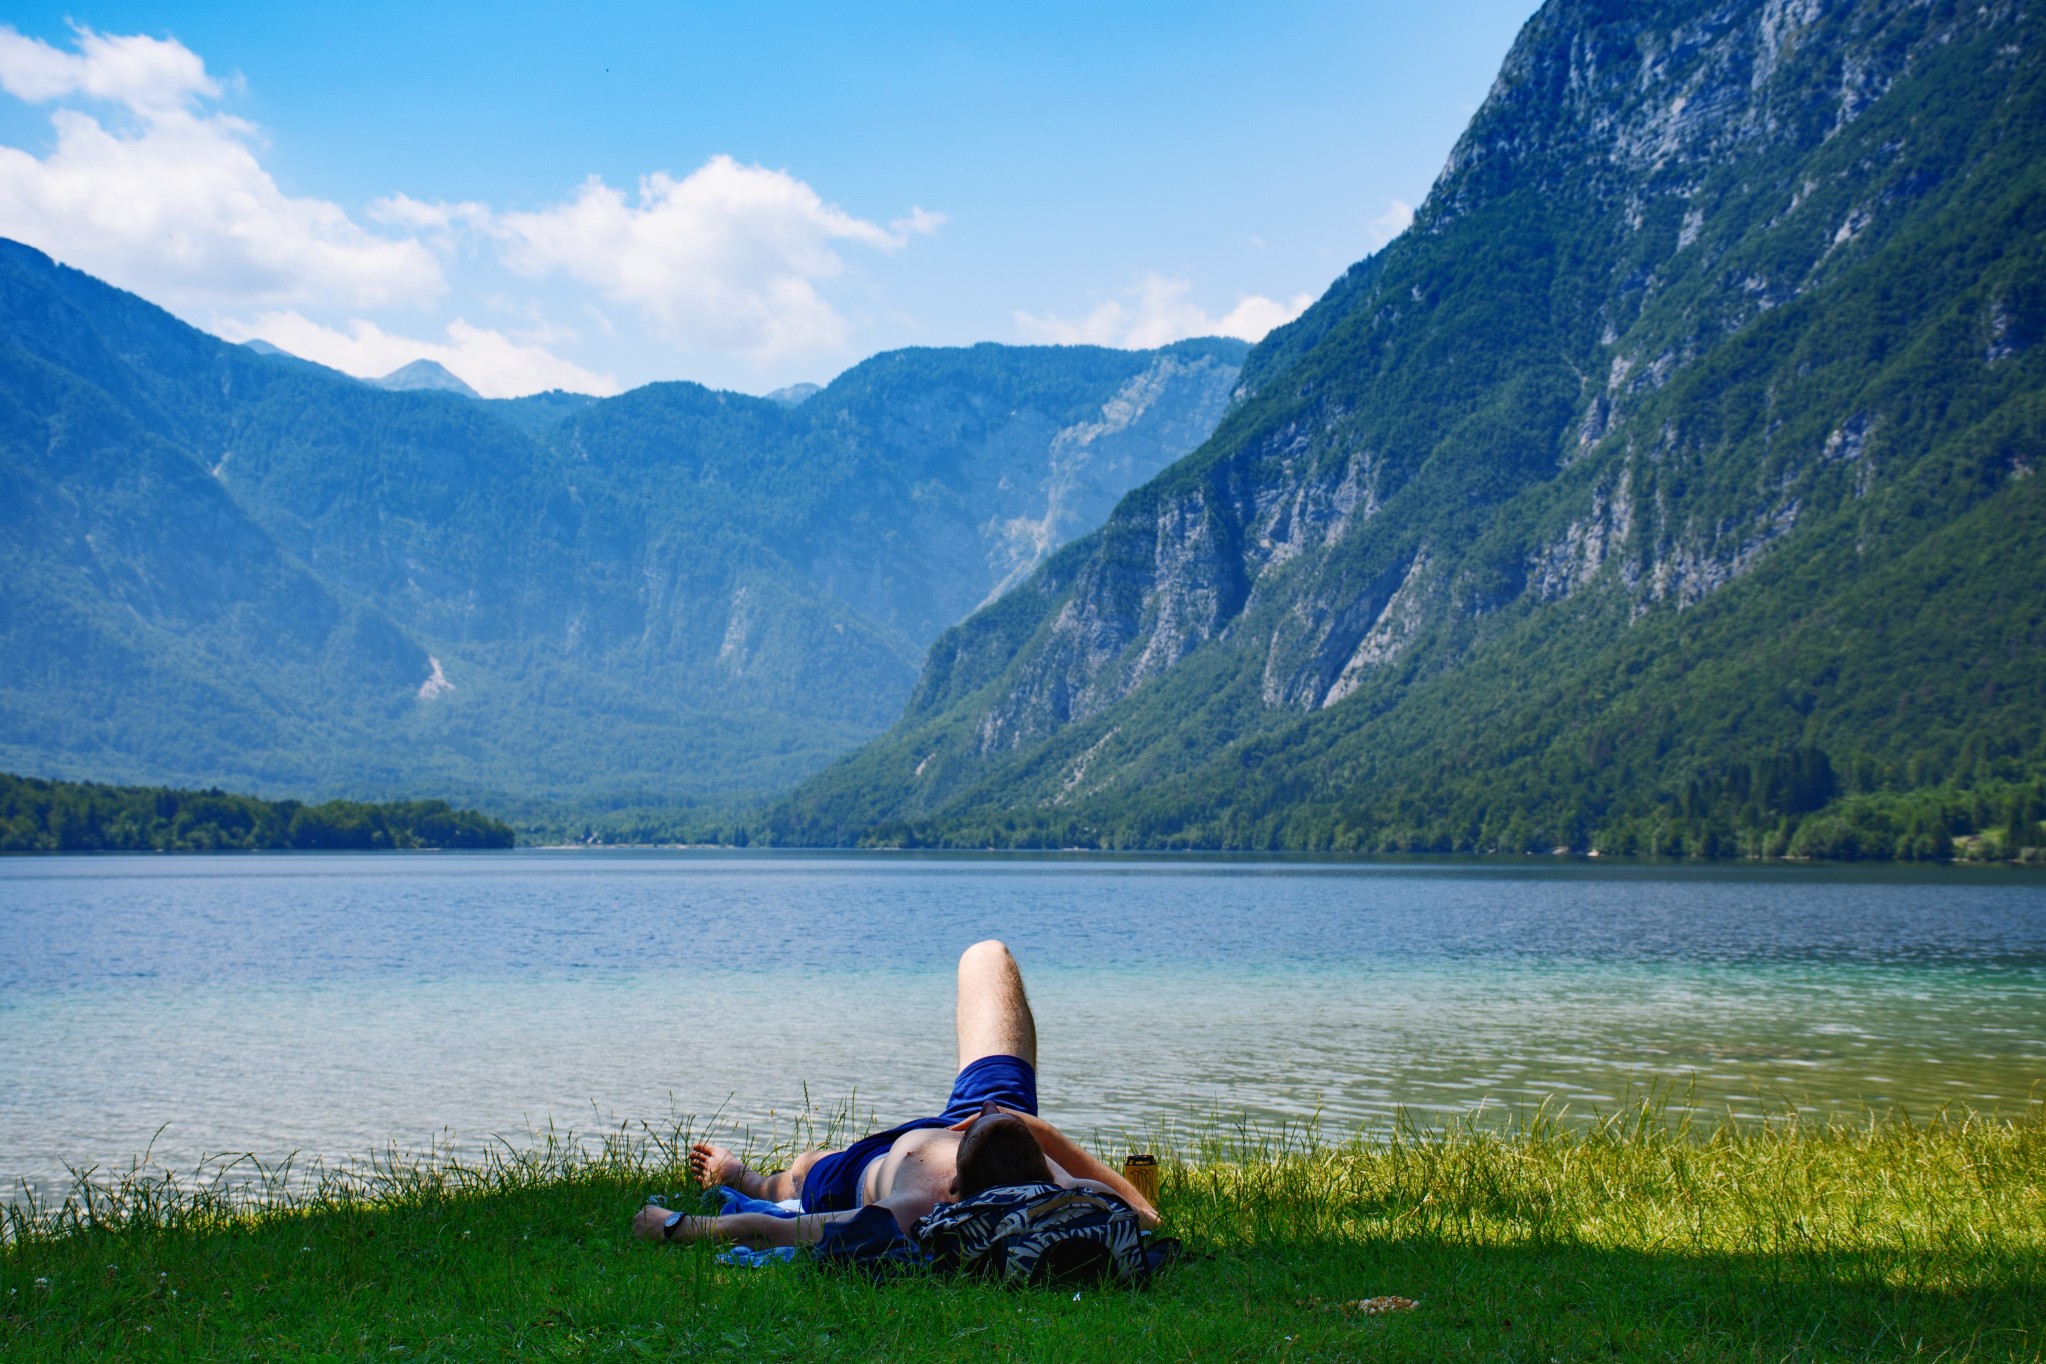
(334, 1006)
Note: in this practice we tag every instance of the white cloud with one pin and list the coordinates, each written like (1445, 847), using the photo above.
(728, 257)
(492, 363)
(1156, 312)
(1397, 218)
(177, 207)
(439, 221)
(138, 71)
(149, 184)
(921, 221)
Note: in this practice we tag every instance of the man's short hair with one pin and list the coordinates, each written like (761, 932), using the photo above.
(997, 1151)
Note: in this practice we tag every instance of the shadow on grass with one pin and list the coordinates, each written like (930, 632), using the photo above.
(1567, 1300)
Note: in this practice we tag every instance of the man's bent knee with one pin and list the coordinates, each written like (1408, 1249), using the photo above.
(991, 952)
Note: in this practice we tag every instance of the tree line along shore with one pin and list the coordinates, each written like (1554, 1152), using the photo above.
(1791, 809)
(1771, 810)
(63, 816)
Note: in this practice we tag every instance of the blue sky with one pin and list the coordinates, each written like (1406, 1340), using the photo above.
(597, 196)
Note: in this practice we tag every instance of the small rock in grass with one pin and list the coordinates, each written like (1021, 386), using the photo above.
(1366, 1307)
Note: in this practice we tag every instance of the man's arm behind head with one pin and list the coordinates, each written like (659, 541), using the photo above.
(1067, 1155)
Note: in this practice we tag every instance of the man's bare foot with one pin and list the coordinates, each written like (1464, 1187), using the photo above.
(715, 1165)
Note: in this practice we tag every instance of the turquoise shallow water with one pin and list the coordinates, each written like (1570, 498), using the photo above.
(332, 1005)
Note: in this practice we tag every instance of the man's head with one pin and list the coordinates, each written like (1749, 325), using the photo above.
(999, 1149)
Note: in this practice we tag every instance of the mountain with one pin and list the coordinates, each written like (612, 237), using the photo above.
(795, 394)
(1669, 485)
(281, 356)
(424, 374)
(538, 413)
(233, 568)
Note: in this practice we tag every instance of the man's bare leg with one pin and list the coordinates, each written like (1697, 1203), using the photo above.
(993, 1012)
(715, 1165)
(993, 1019)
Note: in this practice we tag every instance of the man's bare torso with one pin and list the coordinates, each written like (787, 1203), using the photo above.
(922, 1162)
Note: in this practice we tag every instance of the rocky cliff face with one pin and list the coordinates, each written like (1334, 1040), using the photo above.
(1632, 126)
(978, 481)
(1651, 327)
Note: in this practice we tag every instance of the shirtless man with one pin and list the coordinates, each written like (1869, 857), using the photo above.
(988, 1135)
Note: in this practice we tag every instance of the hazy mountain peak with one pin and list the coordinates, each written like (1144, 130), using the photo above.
(795, 395)
(425, 374)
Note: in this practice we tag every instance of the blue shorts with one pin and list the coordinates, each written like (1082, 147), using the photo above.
(833, 1183)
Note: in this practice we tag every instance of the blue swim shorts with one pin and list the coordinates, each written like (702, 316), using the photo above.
(833, 1183)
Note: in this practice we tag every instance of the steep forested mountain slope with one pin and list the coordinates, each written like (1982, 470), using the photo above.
(226, 567)
(1670, 484)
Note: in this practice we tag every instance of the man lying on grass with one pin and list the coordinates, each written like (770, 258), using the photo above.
(988, 1136)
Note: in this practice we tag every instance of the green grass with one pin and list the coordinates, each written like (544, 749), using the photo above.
(1550, 1240)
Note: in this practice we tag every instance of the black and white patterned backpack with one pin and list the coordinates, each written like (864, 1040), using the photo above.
(1038, 1233)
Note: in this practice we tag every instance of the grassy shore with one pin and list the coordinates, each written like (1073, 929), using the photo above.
(1622, 1239)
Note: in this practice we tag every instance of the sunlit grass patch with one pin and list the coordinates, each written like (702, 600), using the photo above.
(1633, 1236)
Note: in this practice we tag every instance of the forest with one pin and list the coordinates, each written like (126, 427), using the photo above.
(63, 816)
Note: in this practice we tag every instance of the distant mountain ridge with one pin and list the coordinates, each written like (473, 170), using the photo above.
(1670, 485)
(234, 568)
